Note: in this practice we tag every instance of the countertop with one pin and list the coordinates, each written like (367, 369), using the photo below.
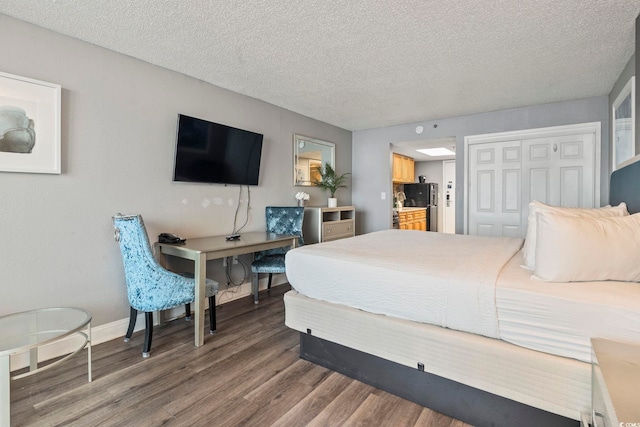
(408, 209)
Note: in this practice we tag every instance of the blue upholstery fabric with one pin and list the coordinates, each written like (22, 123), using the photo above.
(280, 220)
(150, 287)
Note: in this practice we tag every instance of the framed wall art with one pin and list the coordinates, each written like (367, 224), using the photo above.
(29, 125)
(623, 127)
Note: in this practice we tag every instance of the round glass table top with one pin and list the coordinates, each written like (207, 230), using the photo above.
(22, 331)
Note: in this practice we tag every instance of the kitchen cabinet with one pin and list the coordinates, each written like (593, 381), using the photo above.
(413, 219)
(403, 169)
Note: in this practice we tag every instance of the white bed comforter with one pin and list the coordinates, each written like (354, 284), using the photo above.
(442, 279)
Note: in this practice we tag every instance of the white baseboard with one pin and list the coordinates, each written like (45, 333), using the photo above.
(118, 328)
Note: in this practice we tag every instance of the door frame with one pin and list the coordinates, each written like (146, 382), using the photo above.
(453, 191)
(547, 132)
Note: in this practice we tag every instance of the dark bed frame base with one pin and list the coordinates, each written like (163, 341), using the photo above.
(448, 397)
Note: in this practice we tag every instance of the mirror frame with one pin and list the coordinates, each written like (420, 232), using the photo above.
(298, 142)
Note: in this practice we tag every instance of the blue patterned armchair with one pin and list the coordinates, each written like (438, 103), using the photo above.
(280, 220)
(150, 287)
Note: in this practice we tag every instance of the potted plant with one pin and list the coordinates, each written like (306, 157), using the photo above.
(330, 180)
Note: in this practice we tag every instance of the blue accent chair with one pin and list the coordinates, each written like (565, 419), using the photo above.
(150, 287)
(280, 220)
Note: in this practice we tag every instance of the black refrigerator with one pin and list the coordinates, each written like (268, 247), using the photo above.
(424, 196)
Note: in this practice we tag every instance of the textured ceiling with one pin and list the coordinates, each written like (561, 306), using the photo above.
(362, 64)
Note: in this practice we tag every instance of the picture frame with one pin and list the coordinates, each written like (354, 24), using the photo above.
(29, 125)
(623, 125)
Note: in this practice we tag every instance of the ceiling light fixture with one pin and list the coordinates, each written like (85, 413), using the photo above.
(436, 152)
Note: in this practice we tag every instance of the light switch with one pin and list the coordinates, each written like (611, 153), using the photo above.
(383, 196)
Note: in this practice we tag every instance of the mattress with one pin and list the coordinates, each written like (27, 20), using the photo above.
(442, 279)
(552, 383)
(561, 318)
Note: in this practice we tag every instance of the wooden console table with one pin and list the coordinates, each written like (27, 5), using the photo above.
(203, 249)
(323, 224)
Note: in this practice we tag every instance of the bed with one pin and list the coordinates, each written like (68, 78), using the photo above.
(479, 337)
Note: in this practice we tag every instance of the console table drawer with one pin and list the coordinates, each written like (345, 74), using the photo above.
(322, 224)
(337, 230)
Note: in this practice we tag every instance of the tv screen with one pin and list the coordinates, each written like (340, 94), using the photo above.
(214, 153)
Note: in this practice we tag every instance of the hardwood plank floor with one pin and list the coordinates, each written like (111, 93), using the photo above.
(247, 374)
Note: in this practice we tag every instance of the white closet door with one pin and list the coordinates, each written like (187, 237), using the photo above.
(505, 171)
(494, 188)
(560, 170)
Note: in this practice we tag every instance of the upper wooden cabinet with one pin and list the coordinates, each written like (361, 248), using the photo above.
(403, 169)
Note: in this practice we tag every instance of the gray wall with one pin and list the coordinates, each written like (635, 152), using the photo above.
(372, 156)
(118, 138)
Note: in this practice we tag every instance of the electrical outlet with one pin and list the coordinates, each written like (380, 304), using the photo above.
(224, 261)
(235, 259)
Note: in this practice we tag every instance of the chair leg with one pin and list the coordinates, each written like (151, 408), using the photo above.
(133, 315)
(187, 312)
(212, 314)
(269, 284)
(148, 333)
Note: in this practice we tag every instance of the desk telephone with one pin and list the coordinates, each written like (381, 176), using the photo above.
(170, 238)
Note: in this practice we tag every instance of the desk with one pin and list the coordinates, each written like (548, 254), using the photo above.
(203, 249)
(26, 331)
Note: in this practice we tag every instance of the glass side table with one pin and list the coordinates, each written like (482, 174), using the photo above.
(29, 330)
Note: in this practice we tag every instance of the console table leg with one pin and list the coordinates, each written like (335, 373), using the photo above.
(5, 387)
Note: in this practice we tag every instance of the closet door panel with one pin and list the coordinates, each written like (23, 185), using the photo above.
(571, 188)
(539, 185)
(495, 189)
(560, 171)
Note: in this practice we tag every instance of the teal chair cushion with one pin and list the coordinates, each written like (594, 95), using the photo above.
(280, 220)
(150, 287)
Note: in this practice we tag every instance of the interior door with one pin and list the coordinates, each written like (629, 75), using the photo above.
(560, 170)
(494, 183)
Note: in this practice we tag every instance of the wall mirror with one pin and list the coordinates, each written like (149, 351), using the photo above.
(623, 114)
(308, 155)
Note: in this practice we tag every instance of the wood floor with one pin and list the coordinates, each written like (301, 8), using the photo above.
(247, 374)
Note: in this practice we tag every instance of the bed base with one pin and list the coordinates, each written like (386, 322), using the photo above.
(448, 397)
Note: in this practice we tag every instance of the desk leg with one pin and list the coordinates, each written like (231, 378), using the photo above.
(201, 277)
(5, 387)
(255, 284)
(158, 316)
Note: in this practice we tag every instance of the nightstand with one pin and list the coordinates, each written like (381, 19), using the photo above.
(615, 382)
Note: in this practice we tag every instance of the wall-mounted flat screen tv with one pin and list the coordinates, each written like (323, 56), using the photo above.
(214, 153)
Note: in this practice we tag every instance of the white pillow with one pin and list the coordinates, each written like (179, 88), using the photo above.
(529, 249)
(582, 249)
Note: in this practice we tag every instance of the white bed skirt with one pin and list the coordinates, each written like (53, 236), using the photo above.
(555, 384)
